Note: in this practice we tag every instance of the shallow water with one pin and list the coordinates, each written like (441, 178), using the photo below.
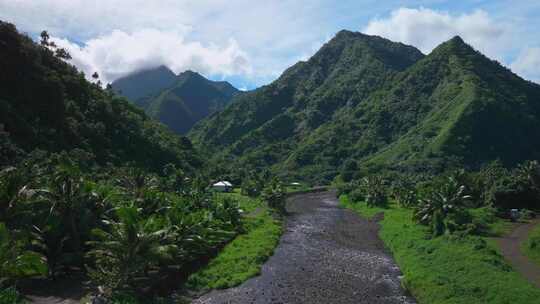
(326, 255)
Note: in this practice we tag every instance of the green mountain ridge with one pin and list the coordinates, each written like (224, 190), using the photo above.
(186, 99)
(47, 104)
(144, 83)
(382, 104)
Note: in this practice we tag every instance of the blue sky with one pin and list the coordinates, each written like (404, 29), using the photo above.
(250, 43)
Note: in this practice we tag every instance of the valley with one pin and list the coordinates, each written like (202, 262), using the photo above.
(372, 171)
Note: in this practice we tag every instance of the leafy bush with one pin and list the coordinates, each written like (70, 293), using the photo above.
(403, 191)
(357, 195)
(374, 191)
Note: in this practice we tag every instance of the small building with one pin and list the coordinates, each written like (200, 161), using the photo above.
(222, 186)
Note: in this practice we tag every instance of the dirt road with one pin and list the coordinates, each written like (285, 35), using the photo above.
(510, 248)
(326, 255)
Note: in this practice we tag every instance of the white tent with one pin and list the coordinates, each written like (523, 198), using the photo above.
(222, 186)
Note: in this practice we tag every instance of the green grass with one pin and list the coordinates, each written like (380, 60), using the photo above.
(242, 258)
(488, 223)
(448, 269)
(531, 247)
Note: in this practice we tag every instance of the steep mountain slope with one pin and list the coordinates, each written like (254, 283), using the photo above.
(178, 101)
(475, 110)
(46, 103)
(352, 64)
(189, 99)
(144, 83)
(382, 103)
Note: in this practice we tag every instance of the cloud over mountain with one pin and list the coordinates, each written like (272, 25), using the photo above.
(116, 54)
(426, 28)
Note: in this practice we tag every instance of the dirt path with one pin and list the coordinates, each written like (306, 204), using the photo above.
(510, 247)
(326, 255)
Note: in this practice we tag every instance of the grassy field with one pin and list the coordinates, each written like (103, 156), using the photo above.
(242, 258)
(448, 269)
(531, 247)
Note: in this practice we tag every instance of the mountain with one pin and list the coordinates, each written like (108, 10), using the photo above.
(186, 99)
(144, 83)
(383, 104)
(47, 104)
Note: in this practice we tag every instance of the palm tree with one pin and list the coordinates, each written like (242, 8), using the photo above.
(128, 247)
(136, 181)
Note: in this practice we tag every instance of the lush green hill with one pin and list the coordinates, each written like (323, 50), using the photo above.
(384, 104)
(144, 83)
(189, 99)
(46, 103)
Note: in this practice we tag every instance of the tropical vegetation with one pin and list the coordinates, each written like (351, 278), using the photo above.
(438, 228)
(92, 186)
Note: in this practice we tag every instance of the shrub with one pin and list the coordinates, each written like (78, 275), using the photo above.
(374, 191)
(343, 188)
(404, 192)
(357, 195)
(274, 195)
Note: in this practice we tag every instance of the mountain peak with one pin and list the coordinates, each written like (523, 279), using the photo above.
(455, 45)
(144, 82)
(457, 40)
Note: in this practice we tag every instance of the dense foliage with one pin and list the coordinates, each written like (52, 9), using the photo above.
(90, 185)
(177, 101)
(439, 229)
(46, 103)
(124, 226)
(243, 257)
(366, 99)
(457, 201)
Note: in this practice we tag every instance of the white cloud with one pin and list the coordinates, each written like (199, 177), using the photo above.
(271, 33)
(119, 53)
(426, 28)
(527, 64)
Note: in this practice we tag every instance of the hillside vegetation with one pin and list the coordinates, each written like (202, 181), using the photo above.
(384, 104)
(94, 190)
(440, 228)
(45, 103)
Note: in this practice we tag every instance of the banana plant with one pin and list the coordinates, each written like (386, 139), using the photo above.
(437, 206)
